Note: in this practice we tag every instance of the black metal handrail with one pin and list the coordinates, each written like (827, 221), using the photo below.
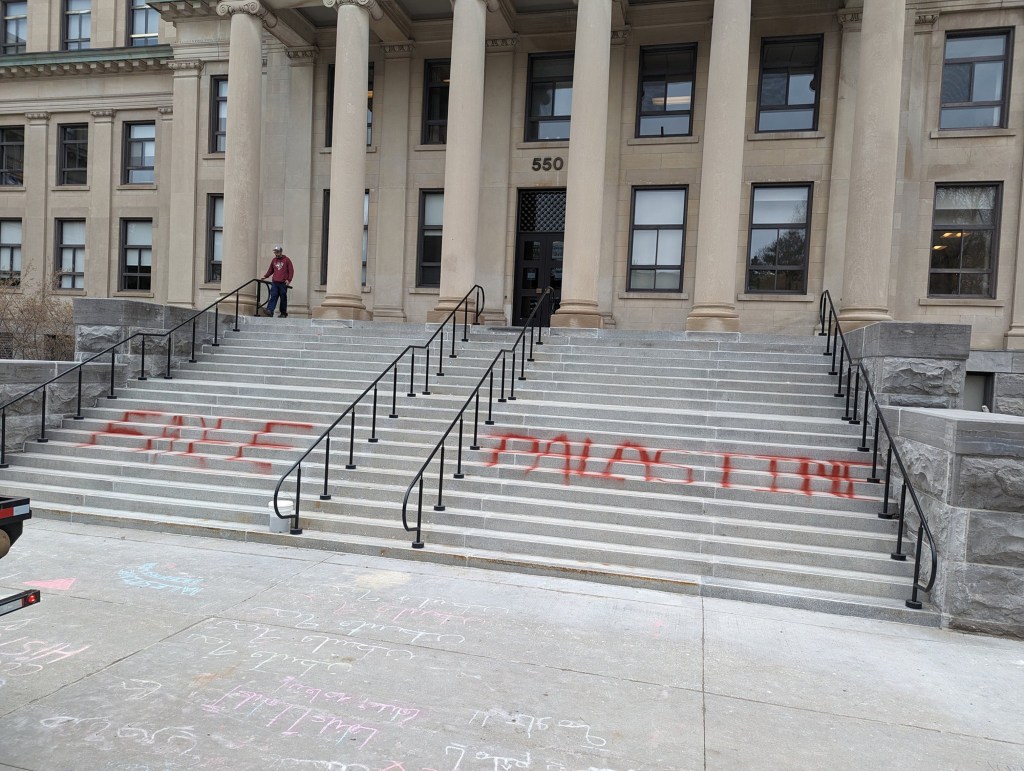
(478, 300)
(533, 324)
(112, 350)
(836, 343)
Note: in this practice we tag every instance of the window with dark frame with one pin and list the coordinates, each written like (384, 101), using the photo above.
(77, 22)
(325, 232)
(436, 78)
(15, 16)
(965, 227)
(139, 153)
(329, 116)
(70, 254)
(143, 24)
(780, 221)
(218, 113)
(549, 97)
(665, 92)
(657, 239)
(10, 252)
(975, 80)
(12, 155)
(428, 252)
(214, 237)
(73, 154)
(136, 255)
(789, 92)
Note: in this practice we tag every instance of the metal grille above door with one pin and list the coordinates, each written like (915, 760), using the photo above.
(542, 211)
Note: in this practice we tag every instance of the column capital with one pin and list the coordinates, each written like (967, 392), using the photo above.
(400, 50)
(848, 19)
(492, 5)
(621, 36)
(305, 55)
(102, 116)
(37, 117)
(926, 18)
(186, 67)
(165, 111)
(249, 7)
(372, 7)
(509, 42)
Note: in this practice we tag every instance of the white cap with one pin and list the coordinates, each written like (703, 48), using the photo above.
(277, 248)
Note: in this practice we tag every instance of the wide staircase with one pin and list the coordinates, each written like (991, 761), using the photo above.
(714, 464)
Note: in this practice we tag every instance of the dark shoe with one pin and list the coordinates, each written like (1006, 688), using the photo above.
(283, 315)
(264, 312)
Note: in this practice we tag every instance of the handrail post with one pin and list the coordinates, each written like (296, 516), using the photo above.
(884, 513)
(142, 369)
(465, 321)
(352, 442)
(458, 465)
(295, 529)
(453, 355)
(512, 377)
(238, 295)
(111, 394)
(846, 413)
(476, 421)
(821, 314)
(325, 496)
(192, 355)
(373, 419)
(839, 385)
(78, 406)
(42, 430)
(874, 446)
(898, 555)
(522, 361)
(490, 399)
(913, 603)
(502, 399)
(828, 336)
(864, 429)
(412, 374)
(3, 438)
(167, 372)
(855, 420)
(394, 392)
(439, 506)
(216, 325)
(440, 356)
(426, 375)
(835, 346)
(418, 543)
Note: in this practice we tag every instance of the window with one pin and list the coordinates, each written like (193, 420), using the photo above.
(329, 117)
(142, 24)
(974, 80)
(214, 237)
(70, 254)
(665, 103)
(549, 97)
(12, 155)
(788, 94)
(73, 154)
(428, 260)
(139, 153)
(964, 227)
(218, 113)
(436, 75)
(136, 255)
(779, 223)
(656, 240)
(325, 232)
(15, 27)
(10, 252)
(77, 20)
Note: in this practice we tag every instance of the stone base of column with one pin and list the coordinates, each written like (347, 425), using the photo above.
(342, 307)
(576, 313)
(493, 319)
(855, 318)
(1015, 339)
(388, 313)
(713, 318)
(446, 305)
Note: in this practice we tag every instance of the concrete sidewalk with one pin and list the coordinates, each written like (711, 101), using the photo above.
(156, 651)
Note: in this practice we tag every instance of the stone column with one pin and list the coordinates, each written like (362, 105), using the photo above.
(344, 298)
(1015, 334)
(876, 129)
(36, 270)
(585, 179)
(463, 153)
(162, 225)
(180, 176)
(242, 154)
(388, 277)
(101, 263)
(721, 178)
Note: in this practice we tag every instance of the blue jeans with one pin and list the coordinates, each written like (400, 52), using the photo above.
(278, 289)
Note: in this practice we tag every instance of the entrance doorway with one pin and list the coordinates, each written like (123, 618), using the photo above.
(540, 245)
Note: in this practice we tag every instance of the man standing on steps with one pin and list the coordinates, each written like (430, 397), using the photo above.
(281, 273)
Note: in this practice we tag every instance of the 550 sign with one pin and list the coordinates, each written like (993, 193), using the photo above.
(547, 164)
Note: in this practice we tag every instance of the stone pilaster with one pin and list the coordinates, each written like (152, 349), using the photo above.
(242, 154)
(348, 160)
(869, 226)
(588, 146)
(185, 254)
(462, 158)
(36, 272)
(721, 180)
(101, 261)
(388, 274)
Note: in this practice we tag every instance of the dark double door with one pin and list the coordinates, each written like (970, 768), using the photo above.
(540, 246)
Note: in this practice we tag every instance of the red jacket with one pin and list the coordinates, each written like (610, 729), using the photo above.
(282, 269)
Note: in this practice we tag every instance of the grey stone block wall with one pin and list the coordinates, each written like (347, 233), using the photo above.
(968, 471)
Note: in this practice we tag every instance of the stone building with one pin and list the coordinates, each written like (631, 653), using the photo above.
(728, 161)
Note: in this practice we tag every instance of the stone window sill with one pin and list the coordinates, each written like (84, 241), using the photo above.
(69, 189)
(978, 302)
(543, 145)
(327, 150)
(213, 156)
(434, 148)
(425, 290)
(149, 295)
(12, 188)
(690, 140)
(137, 187)
(637, 295)
(766, 135)
(70, 292)
(776, 298)
(965, 133)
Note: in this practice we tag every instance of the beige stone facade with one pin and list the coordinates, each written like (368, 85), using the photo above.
(277, 162)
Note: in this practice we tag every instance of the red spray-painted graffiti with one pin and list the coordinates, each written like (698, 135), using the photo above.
(189, 435)
(582, 459)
